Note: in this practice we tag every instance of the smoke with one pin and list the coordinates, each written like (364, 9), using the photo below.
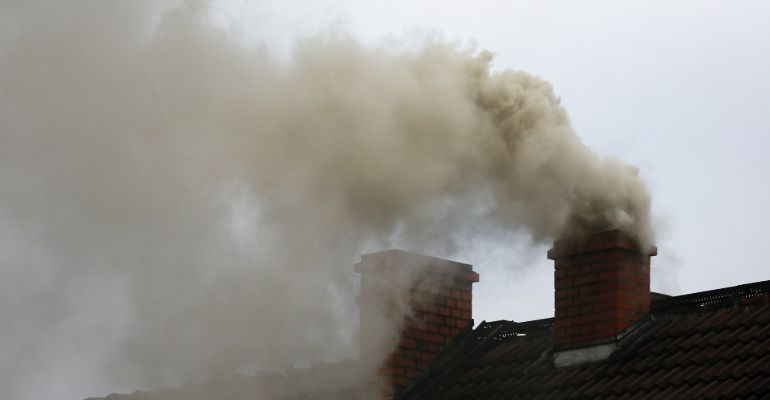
(176, 206)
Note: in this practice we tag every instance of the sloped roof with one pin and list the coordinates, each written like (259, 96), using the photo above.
(708, 345)
(332, 381)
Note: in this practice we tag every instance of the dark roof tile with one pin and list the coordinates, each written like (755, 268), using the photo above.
(712, 346)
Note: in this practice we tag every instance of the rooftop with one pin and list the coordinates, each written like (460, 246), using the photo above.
(711, 344)
(706, 345)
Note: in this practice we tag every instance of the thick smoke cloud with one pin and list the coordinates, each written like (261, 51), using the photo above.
(175, 206)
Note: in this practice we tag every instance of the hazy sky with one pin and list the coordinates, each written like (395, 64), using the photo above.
(680, 89)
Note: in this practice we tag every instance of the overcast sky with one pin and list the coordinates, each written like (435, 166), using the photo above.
(680, 89)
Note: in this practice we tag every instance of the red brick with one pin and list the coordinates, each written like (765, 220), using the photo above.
(562, 283)
(563, 302)
(434, 319)
(586, 269)
(441, 304)
(413, 354)
(580, 300)
(391, 371)
(432, 338)
(572, 271)
(572, 311)
(464, 305)
(404, 362)
(584, 319)
(584, 279)
(426, 308)
(627, 286)
(411, 334)
(586, 290)
(400, 380)
(601, 286)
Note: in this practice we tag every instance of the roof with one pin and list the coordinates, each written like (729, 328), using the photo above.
(707, 345)
(713, 345)
(330, 381)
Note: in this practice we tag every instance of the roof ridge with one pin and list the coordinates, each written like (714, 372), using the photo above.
(716, 298)
(671, 305)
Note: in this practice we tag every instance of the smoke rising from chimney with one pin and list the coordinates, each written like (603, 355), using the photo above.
(174, 205)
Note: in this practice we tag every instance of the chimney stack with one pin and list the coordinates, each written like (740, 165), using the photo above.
(429, 298)
(602, 287)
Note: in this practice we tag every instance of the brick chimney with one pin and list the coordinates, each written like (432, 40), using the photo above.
(429, 298)
(602, 287)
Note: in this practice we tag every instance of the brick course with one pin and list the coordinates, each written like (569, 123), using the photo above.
(441, 307)
(601, 286)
